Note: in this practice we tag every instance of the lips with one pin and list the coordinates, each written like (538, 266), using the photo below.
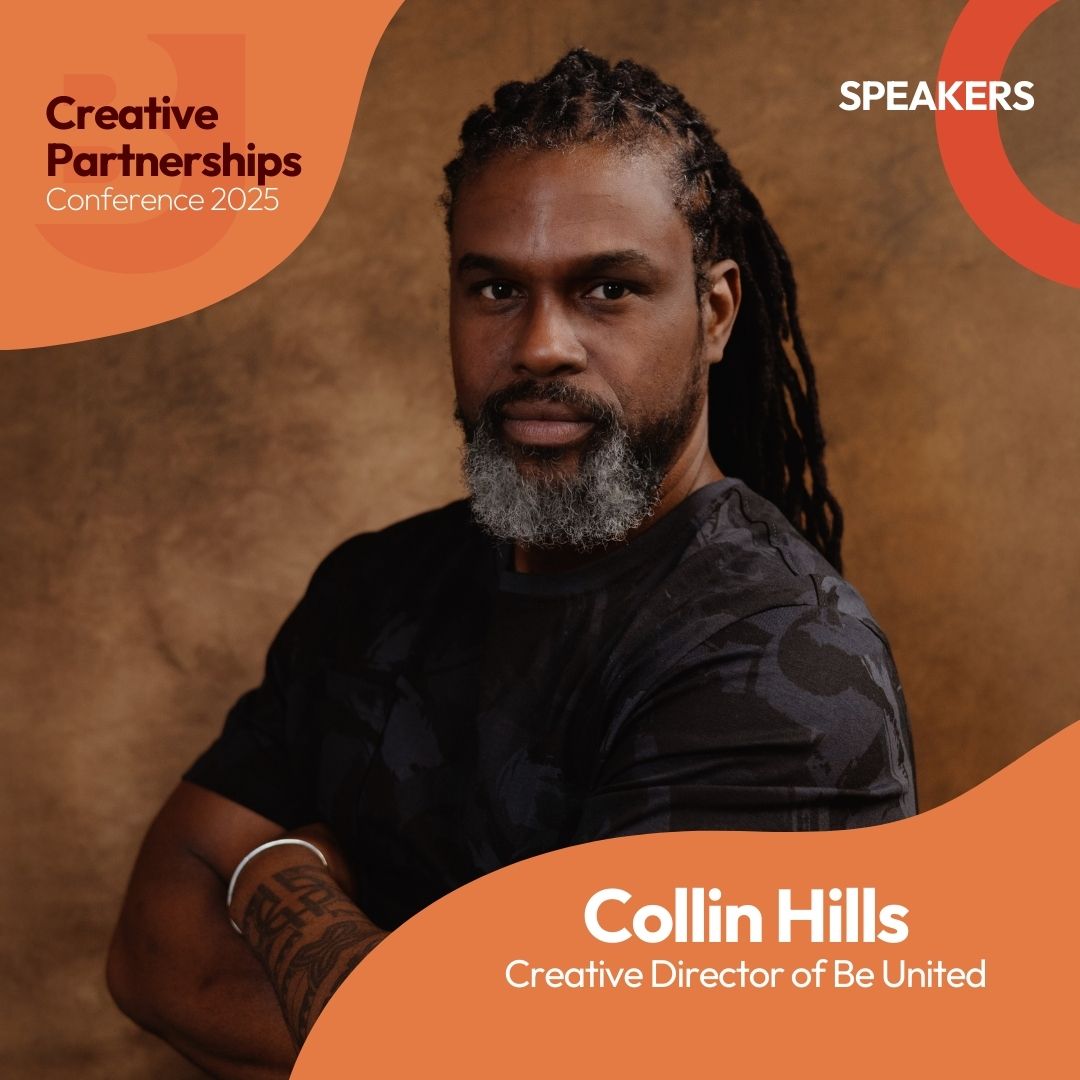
(544, 423)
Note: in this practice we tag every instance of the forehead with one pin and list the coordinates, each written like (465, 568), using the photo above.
(552, 206)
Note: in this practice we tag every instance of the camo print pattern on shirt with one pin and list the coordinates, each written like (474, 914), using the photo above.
(448, 716)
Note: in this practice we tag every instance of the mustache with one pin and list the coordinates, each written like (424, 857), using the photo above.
(560, 391)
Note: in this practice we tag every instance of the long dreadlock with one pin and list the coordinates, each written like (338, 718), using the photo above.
(764, 424)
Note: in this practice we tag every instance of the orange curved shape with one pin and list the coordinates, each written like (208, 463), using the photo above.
(284, 84)
(988, 879)
(974, 156)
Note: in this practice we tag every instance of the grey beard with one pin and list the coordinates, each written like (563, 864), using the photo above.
(612, 493)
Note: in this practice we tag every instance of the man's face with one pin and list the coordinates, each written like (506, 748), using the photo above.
(577, 336)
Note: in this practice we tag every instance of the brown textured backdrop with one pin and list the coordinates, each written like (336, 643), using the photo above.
(168, 492)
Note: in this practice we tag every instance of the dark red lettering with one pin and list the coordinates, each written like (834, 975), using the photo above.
(50, 113)
(59, 154)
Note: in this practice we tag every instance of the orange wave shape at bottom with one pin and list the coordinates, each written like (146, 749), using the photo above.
(988, 882)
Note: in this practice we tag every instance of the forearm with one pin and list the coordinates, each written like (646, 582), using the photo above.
(305, 931)
(253, 1044)
(179, 970)
(177, 967)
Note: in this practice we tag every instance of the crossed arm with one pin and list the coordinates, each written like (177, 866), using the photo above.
(794, 719)
(238, 1007)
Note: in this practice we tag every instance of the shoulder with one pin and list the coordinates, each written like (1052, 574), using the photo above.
(757, 653)
(377, 576)
(742, 572)
(398, 548)
(747, 558)
(752, 611)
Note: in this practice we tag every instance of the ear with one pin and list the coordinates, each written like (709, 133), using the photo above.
(719, 307)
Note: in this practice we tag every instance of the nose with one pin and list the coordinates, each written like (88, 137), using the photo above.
(548, 344)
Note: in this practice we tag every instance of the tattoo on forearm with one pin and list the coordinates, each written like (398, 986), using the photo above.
(279, 922)
(273, 922)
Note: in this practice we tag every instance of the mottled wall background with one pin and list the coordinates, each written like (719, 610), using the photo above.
(168, 492)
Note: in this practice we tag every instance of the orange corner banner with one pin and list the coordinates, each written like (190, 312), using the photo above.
(159, 183)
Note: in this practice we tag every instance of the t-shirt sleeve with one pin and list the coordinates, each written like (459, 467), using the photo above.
(790, 719)
(264, 758)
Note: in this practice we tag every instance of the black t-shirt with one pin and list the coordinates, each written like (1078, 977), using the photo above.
(448, 716)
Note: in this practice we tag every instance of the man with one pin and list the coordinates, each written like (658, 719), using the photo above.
(635, 624)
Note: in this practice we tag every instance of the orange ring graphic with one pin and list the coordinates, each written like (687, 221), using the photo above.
(974, 156)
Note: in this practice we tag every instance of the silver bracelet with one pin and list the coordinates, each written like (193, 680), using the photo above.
(251, 855)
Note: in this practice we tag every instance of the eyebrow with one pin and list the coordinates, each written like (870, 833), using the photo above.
(601, 263)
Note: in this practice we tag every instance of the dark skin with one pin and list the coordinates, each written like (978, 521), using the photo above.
(239, 1007)
(573, 266)
(578, 266)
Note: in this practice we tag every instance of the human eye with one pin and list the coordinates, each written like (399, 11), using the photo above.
(609, 290)
(495, 290)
